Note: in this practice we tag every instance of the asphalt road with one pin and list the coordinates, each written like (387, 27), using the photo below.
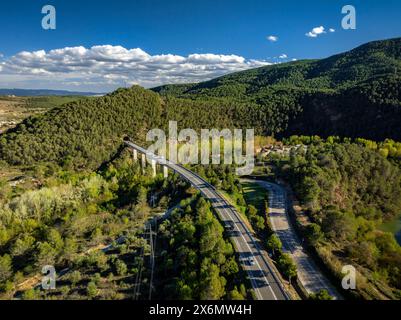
(309, 274)
(263, 276)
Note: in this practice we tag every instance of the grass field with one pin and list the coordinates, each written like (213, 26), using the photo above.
(254, 195)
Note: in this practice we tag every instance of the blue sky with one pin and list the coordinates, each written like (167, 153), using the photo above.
(179, 28)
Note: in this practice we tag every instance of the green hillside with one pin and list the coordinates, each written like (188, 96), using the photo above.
(321, 97)
(84, 132)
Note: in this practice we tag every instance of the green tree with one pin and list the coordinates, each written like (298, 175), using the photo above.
(46, 254)
(54, 238)
(230, 267)
(321, 295)
(235, 295)
(75, 277)
(211, 285)
(252, 211)
(287, 266)
(30, 294)
(70, 249)
(22, 245)
(92, 290)
(121, 267)
(274, 244)
(314, 234)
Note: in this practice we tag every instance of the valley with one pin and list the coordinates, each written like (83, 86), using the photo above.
(327, 131)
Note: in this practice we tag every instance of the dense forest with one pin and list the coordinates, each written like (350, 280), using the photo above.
(354, 94)
(95, 228)
(348, 189)
(198, 263)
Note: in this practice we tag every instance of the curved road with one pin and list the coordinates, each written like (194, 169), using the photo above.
(262, 274)
(309, 274)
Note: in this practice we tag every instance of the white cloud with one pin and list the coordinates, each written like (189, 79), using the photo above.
(315, 32)
(103, 68)
(283, 56)
(332, 30)
(272, 38)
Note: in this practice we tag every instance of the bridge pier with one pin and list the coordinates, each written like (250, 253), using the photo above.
(143, 163)
(154, 168)
(165, 172)
(144, 159)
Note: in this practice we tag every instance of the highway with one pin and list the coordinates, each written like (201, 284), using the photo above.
(262, 274)
(311, 277)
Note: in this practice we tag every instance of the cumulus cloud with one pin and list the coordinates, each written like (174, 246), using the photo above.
(283, 56)
(272, 38)
(107, 67)
(332, 30)
(315, 32)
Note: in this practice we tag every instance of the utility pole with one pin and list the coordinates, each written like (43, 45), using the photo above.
(138, 281)
(152, 260)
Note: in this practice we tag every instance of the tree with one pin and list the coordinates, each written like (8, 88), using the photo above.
(30, 294)
(22, 245)
(55, 239)
(98, 259)
(5, 190)
(91, 290)
(75, 277)
(211, 284)
(310, 192)
(252, 211)
(230, 267)
(96, 236)
(70, 249)
(8, 287)
(314, 234)
(258, 222)
(46, 255)
(97, 278)
(339, 225)
(321, 295)
(287, 266)
(274, 244)
(121, 267)
(366, 253)
(5, 267)
(184, 291)
(235, 295)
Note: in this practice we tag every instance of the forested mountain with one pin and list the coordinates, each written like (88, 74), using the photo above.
(85, 133)
(355, 94)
